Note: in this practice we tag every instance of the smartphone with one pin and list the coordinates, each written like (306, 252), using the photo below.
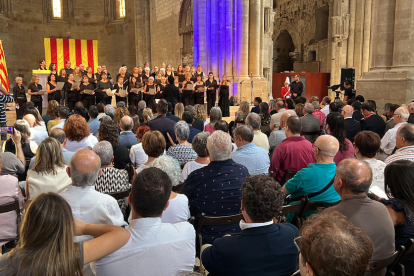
(7, 130)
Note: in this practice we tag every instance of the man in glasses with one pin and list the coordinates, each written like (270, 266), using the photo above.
(401, 116)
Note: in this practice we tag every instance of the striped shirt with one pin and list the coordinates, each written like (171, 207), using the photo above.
(4, 99)
(406, 153)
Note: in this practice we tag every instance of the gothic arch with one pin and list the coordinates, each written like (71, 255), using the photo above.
(283, 46)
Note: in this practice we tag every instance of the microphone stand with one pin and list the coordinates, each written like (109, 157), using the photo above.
(241, 90)
(251, 81)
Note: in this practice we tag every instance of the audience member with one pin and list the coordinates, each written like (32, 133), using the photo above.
(188, 117)
(63, 112)
(411, 110)
(36, 135)
(110, 111)
(350, 249)
(404, 141)
(153, 144)
(200, 113)
(13, 163)
(89, 205)
(334, 107)
(275, 120)
(101, 110)
(352, 182)
(335, 126)
(120, 112)
(277, 137)
(318, 113)
(171, 245)
(265, 118)
(293, 154)
(299, 108)
(137, 154)
(127, 137)
(357, 114)
(162, 123)
(78, 134)
(371, 120)
(399, 183)
(254, 158)
(388, 143)
(141, 107)
(215, 116)
(183, 152)
(179, 110)
(310, 124)
(326, 101)
(352, 127)
(198, 124)
(49, 170)
(256, 108)
(147, 115)
(48, 229)
(241, 114)
(93, 121)
(199, 146)
(39, 123)
(51, 116)
(260, 139)
(170, 114)
(262, 246)
(390, 123)
(216, 188)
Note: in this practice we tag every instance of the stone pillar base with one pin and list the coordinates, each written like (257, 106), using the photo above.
(260, 89)
(387, 87)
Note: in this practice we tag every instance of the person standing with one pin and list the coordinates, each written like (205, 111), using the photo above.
(296, 87)
(224, 97)
(211, 84)
(33, 91)
(19, 95)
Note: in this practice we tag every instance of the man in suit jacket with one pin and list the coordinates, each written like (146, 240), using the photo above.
(171, 92)
(257, 101)
(141, 106)
(188, 117)
(262, 247)
(170, 113)
(352, 127)
(127, 138)
(162, 123)
(311, 125)
(372, 121)
(198, 124)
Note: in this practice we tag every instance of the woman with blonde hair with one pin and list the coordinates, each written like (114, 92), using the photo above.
(146, 114)
(49, 171)
(46, 246)
(179, 110)
(119, 113)
(200, 113)
(33, 90)
(242, 113)
(19, 95)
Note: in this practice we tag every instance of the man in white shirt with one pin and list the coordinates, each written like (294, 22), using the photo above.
(326, 101)
(401, 115)
(275, 119)
(87, 204)
(37, 135)
(260, 139)
(155, 248)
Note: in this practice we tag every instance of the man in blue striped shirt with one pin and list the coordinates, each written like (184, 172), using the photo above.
(4, 98)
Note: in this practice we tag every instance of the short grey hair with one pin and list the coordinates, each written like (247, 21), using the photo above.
(244, 132)
(215, 115)
(105, 152)
(403, 113)
(109, 110)
(142, 105)
(81, 179)
(189, 108)
(147, 69)
(199, 143)
(17, 79)
(182, 130)
(127, 123)
(219, 146)
(120, 104)
(356, 175)
(170, 166)
(254, 120)
(316, 105)
(309, 108)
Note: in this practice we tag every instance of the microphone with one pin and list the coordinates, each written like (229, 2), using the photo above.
(241, 81)
(251, 74)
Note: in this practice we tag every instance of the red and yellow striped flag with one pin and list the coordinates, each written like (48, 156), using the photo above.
(77, 51)
(4, 77)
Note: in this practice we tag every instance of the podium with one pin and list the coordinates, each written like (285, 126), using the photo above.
(42, 75)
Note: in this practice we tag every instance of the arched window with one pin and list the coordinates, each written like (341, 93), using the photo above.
(120, 8)
(185, 28)
(57, 8)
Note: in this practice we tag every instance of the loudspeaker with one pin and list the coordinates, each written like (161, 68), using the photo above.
(347, 74)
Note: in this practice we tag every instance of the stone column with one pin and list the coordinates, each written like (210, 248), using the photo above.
(351, 39)
(242, 38)
(403, 58)
(367, 36)
(254, 37)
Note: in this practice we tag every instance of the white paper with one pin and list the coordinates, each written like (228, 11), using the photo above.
(77, 78)
(110, 92)
(135, 90)
(87, 91)
(122, 92)
(59, 85)
(152, 91)
(189, 86)
(41, 92)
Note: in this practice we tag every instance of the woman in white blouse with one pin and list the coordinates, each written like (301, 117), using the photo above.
(137, 154)
(78, 134)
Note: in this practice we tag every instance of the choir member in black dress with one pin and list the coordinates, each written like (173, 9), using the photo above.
(199, 90)
(53, 70)
(33, 90)
(135, 82)
(140, 71)
(42, 65)
(82, 69)
(187, 69)
(127, 74)
(71, 91)
(150, 99)
(63, 77)
(155, 71)
(101, 95)
(162, 72)
(51, 88)
(211, 84)
(161, 88)
(108, 75)
(118, 86)
(193, 76)
(180, 73)
(145, 76)
(168, 71)
(91, 76)
(199, 72)
(98, 74)
(19, 95)
(77, 72)
(188, 94)
(87, 99)
(224, 97)
(68, 69)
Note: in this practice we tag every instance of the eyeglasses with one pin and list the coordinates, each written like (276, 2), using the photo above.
(315, 146)
(297, 246)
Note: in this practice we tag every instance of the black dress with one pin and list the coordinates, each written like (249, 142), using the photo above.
(150, 99)
(87, 99)
(211, 94)
(36, 99)
(92, 80)
(51, 96)
(199, 96)
(160, 94)
(181, 78)
(19, 95)
(187, 95)
(224, 100)
(134, 98)
(118, 98)
(72, 96)
(101, 96)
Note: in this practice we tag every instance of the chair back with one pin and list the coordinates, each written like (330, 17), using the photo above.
(12, 206)
(390, 262)
(398, 267)
(288, 175)
(315, 206)
(120, 195)
(296, 209)
(177, 189)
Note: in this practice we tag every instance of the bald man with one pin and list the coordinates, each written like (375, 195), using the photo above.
(352, 182)
(352, 127)
(316, 176)
(87, 204)
(37, 132)
(388, 142)
(127, 137)
(276, 137)
(275, 119)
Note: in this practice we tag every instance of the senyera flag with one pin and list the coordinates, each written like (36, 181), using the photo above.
(4, 77)
(77, 51)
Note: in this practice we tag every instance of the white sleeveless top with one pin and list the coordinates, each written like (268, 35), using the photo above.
(44, 183)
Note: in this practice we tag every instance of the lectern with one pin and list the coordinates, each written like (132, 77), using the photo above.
(42, 75)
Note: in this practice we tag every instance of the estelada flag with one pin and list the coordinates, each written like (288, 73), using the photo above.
(77, 51)
(4, 77)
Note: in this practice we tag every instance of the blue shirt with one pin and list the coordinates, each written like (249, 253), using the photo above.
(216, 191)
(94, 125)
(254, 158)
(193, 132)
(67, 156)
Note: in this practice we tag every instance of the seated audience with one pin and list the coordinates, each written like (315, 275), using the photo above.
(111, 180)
(220, 181)
(299, 108)
(398, 179)
(262, 247)
(326, 102)
(371, 120)
(215, 116)
(272, 107)
(170, 114)
(89, 205)
(352, 182)
(293, 154)
(101, 110)
(198, 124)
(316, 176)
(367, 144)
(411, 110)
(137, 154)
(188, 117)
(256, 108)
(254, 158)
(179, 110)
(63, 112)
(260, 139)
(49, 170)
(162, 123)
(78, 134)
(40, 124)
(335, 126)
(404, 141)
(127, 137)
(200, 113)
(275, 119)
(224, 126)
(141, 107)
(36, 135)
(318, 113)
(199, 146)
(183, 152)
(171, 245)
(265, 119)
(352, 127)
(241, 114)
(110, 111)
(13, 163)
(48, 229)
(310, 124)
(52, 117)
(357, 114)
(108, 131)
(177, 210)
(400, 116)
(93, 121)
(153, 144)
(390, 110)
(350, 249)
(277, 137)
(147, 115)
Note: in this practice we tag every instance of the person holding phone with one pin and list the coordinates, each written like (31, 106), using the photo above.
(33, 90)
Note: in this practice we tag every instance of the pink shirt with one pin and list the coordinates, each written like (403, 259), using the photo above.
(319, 114)
(209, 129)
(341, 155)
